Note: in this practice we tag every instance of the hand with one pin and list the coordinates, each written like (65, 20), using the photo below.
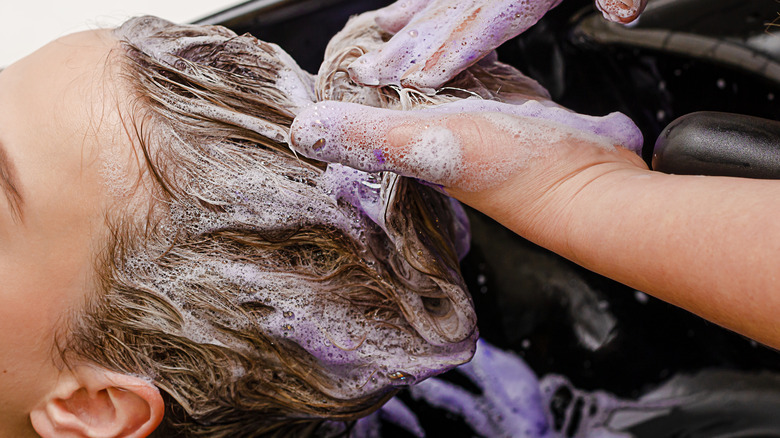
(490, 155)
(470, 145)
(434, 40)
(437, 39)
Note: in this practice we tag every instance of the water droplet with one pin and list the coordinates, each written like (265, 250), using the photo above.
(319, 144)
(288, 314)
(641, 297)
(721, 83)
(660, 115)
(413, 33)
(770, 97)
(288, 328)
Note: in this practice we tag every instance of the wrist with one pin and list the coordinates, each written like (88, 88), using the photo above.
(543, 201)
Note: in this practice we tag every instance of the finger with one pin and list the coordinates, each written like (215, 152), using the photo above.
(394, 17)
(621, 11)
(470, 144)
(445, 38)
(373, 139)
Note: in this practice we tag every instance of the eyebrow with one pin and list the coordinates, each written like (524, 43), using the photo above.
(10, 184)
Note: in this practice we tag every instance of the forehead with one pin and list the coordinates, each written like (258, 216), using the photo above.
(69, 60)
(55, 116)
(56, 94)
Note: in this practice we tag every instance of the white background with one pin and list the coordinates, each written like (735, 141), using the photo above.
(26, 25)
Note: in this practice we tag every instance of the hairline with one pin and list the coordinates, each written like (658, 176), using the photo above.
(9, 180)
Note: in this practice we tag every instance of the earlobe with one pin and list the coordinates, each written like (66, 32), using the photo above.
(95, 402)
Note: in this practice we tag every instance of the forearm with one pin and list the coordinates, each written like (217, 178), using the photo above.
(707, 244)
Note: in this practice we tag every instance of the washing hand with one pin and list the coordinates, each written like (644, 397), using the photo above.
(434, 40)
(468, 147)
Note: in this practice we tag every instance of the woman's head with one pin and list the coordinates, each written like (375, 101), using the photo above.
(260, 292)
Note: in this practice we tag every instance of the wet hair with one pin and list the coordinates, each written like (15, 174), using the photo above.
(239, 280)
(263, 293)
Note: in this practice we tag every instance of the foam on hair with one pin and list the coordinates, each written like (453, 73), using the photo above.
(264, 293)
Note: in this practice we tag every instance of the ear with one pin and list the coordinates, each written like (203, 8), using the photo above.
(94, 402)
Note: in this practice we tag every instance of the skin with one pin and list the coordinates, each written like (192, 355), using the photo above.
(434, 40)
(57, 118)
(706, 244)
(621, 11)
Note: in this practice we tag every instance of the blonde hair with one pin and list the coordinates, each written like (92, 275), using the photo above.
(193, 292)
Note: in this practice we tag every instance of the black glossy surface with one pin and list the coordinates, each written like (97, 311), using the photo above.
(724, 144)
(742, 20)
